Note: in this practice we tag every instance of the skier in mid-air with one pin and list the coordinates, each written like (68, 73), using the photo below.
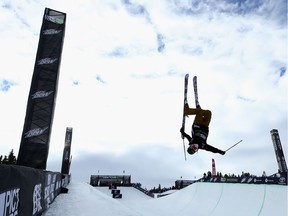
(200, 130)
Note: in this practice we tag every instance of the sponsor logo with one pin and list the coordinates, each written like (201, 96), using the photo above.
(57, 185)
(37, 198)
(41, 94)
(68, 138)
(35, 132)
(249, 180)
(51, 31)
(50, 188)
(9, 202)
(243, 180)
(46, 61)
(269, 180)
(282, 180)
(54, 19)
(232, 180)
(199, 134)
(223, 179)
(66, 155)
(258, 180)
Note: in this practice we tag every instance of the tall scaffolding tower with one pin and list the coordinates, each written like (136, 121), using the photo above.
(279, 152)
(37, 127)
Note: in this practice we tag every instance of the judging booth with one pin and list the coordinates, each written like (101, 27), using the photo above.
(107, 180)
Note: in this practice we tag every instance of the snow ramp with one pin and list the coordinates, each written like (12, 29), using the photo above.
(84, 200)
(223, 199)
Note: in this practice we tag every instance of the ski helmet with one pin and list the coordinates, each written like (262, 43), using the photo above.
(192, 149)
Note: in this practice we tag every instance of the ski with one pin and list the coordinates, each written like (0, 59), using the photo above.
(195, 91)
(233, 145)
(185, 104)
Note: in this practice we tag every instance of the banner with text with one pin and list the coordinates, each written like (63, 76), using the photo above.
(35, 138)
(28, 191)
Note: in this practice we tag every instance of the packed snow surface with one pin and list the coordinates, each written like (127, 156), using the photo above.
(198, 199)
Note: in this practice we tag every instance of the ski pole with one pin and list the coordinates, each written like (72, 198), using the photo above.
(233, 145)
(184, 150)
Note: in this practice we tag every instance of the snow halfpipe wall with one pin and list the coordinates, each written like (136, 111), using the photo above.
(198, 199)
(225, 199)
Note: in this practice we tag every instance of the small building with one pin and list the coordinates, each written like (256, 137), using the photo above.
(107, 180)
(179, 184)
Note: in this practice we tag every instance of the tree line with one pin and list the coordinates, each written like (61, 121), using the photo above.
(10, 159)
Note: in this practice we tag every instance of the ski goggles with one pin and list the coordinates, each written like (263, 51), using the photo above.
(192, 149)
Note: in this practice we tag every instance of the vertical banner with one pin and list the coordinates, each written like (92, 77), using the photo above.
(35, 138)
(278, 151)
(66, 152)
(213, 168)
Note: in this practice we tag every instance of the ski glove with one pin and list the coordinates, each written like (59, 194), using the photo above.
(182, 130)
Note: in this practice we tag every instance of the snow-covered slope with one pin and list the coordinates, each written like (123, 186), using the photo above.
(84, 200)
(197, 199)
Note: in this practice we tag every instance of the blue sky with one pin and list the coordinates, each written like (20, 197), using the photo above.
(121, 83)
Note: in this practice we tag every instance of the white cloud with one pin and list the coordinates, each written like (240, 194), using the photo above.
(122, 96)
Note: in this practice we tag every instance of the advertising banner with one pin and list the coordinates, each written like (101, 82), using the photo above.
(66, 152)
(278, 151)
(35, 138)
(280, 180)
(28, 191)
